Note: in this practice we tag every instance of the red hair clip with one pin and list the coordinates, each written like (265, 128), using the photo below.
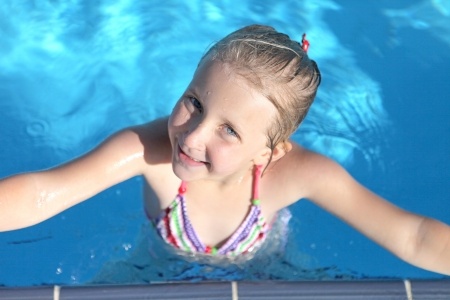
(305, 43)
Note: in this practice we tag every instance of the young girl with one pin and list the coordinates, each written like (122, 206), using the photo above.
(221, 167)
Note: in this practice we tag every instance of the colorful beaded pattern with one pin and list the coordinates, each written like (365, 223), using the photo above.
(175, 228)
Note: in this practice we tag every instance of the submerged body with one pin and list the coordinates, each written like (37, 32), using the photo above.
(174, 226)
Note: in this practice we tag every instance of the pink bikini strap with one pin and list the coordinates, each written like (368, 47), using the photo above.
(182, 188)
(256, 178)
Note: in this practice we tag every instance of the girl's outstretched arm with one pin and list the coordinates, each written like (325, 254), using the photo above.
(421, 241)
(29, 198)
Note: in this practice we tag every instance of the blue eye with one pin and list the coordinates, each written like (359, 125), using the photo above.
(231, 131)
(196, 104)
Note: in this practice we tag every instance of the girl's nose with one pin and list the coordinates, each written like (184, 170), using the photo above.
(196, 136)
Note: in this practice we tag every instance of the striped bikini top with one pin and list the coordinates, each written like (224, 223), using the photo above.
(174, 226)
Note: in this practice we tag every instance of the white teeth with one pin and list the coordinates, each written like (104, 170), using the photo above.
(196, 160)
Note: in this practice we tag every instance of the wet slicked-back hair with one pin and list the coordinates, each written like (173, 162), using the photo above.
(275, 66)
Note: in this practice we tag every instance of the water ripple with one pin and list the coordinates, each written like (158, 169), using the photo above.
(38, 128)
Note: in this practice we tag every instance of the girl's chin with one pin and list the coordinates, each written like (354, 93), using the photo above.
(188, 173)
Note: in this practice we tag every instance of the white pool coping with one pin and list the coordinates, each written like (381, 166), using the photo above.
(265, 290)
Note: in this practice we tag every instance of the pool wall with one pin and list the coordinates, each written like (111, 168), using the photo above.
(307, 290)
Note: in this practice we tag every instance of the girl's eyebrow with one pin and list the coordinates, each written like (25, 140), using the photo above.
(191, 90)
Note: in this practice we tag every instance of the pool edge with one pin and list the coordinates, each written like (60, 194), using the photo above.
(243, 290)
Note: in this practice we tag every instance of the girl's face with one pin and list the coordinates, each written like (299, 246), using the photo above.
(218, 129)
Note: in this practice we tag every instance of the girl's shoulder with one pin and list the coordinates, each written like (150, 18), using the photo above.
(139, 150)
(298, 174)
(300, 163)
(154, 138)
(306, 174)
(149, 141)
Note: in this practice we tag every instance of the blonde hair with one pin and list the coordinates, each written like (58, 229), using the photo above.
(275, 66)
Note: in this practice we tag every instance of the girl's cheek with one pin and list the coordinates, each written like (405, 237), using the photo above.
(224, 152)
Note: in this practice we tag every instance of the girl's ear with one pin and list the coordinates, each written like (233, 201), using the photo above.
(273, 155)
(281, 149)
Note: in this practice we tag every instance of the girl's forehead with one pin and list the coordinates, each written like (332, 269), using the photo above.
(212, 69)
(214, 75)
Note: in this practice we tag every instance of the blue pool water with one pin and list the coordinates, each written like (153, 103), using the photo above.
(73, 72)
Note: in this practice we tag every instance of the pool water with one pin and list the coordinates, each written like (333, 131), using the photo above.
(73, 72)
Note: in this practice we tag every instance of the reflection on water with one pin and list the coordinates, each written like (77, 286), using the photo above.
(348, 115)
(430, 15)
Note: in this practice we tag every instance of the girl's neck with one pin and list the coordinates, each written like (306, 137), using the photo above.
(223, 185)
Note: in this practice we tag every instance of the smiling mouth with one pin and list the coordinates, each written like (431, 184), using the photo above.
(195, 159)
(189, 159)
